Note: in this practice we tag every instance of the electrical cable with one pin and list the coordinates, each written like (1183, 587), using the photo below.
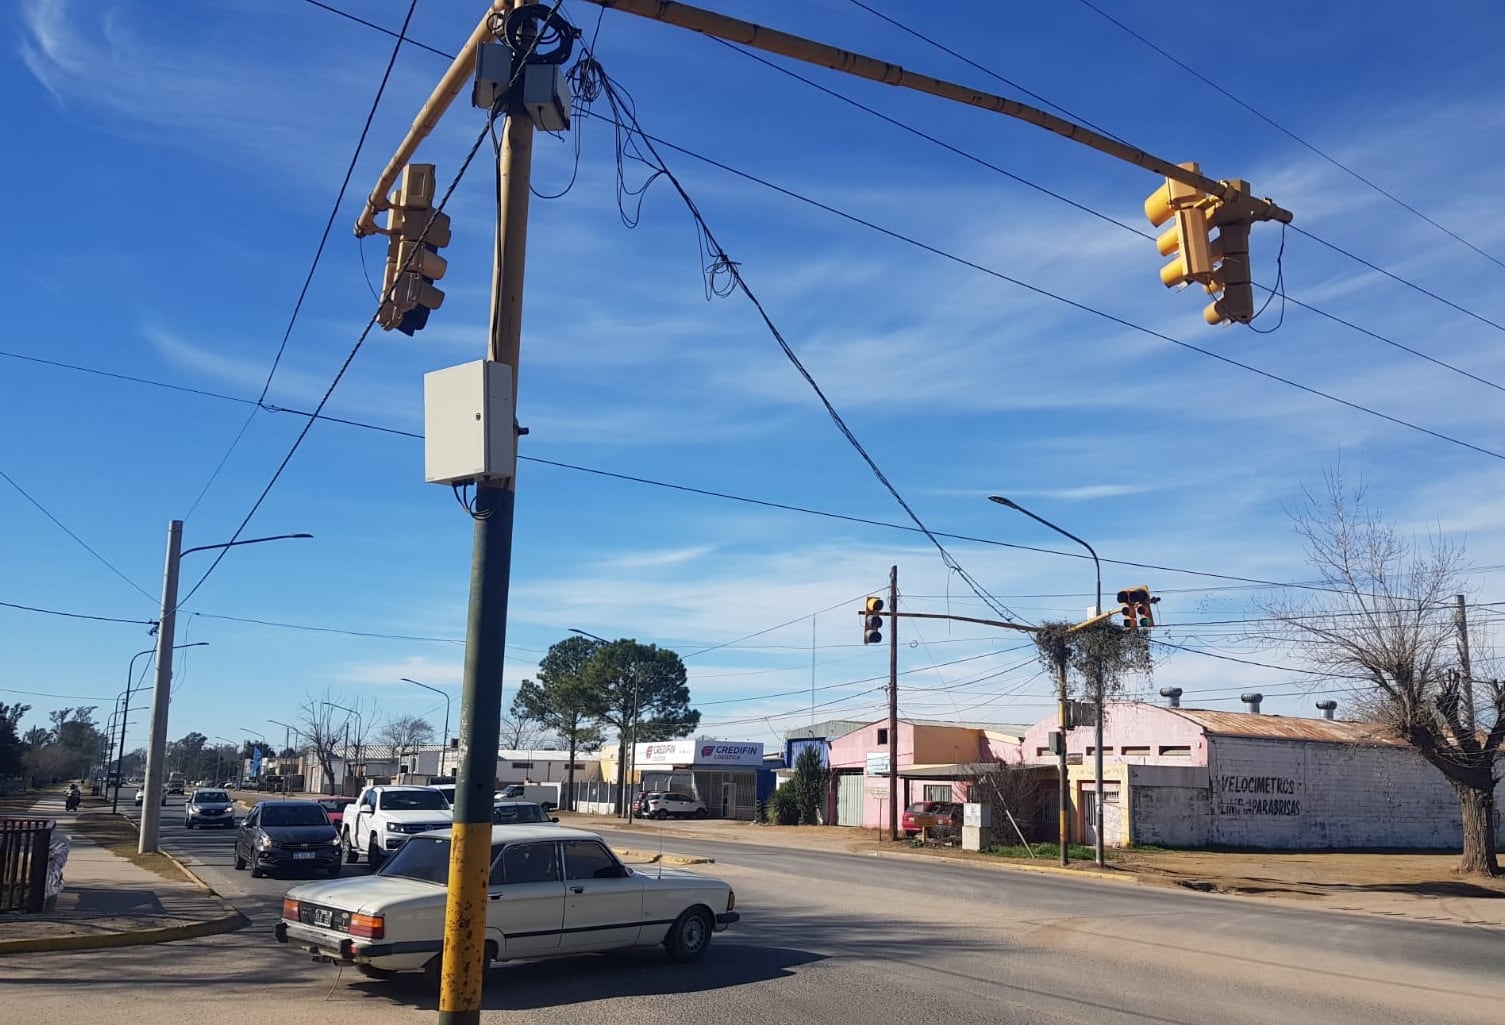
(339, 375)
(78, 615)
(81, 542)
(1083, 307)
(723, 263)
(1277, 289)
(313, 266)
(1293, 136)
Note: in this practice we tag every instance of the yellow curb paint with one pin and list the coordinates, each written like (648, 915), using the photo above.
(141, 937)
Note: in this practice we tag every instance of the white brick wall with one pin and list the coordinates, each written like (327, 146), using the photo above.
(1281, 793)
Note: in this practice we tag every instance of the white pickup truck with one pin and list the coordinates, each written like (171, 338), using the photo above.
(383, 817)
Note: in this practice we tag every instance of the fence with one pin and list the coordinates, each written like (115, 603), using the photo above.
(25, 850)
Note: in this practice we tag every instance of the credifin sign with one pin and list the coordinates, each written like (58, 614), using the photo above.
(705, 752)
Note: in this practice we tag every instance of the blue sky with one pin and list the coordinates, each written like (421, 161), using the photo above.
(174, 163)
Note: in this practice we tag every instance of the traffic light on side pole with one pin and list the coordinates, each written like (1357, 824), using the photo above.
(872, 621)
(1137, 607)
(1187, 239)
(415, 234)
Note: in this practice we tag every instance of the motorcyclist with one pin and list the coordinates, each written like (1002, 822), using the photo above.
(74, 795)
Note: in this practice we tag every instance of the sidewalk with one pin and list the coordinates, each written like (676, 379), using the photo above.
(107, 901)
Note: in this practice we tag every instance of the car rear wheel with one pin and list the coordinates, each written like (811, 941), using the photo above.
(690, 936)
(350, 852)
(661, 814)
(701, 813)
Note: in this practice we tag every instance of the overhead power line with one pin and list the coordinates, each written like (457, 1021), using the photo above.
(1303, 142)
(313, 266)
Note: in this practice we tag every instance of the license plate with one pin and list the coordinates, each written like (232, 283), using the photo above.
(303, 855)
(323, 916)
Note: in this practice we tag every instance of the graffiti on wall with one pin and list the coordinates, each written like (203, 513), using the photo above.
(1257, 795)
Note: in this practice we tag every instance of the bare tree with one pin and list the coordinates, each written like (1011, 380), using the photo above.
(522, 734)
(405, 733)
(335, 726)
(1381, 622)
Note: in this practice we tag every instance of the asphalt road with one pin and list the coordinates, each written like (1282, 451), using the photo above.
(840, 938)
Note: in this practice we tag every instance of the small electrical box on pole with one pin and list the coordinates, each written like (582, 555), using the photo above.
(469, 429)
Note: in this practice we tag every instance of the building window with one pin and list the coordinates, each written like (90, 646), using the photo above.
(1174, 751)
(1133, 752)
(1041, 752)
(883, 735)
(522, 765)
(938, 793)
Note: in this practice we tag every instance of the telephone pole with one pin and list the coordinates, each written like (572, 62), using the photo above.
(893, 705)
(1466, 691)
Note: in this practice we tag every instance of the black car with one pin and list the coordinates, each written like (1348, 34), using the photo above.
(280, 835)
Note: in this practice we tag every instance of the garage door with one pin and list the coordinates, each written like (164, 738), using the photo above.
(849, 799)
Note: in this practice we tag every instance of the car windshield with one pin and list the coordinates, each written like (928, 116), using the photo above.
(414, 800)
(335, 804)
(510, 814)
(211, 797)
(294, 815)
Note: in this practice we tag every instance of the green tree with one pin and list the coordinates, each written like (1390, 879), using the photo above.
(811, 785)
(642, 693)
(11, 747)
(564, 701)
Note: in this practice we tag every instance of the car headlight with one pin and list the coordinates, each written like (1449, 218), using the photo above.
(265, 842)
(334, 841)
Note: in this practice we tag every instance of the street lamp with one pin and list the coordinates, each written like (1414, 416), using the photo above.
(1097, 753)
(218, 762)
(443, 748)
(358, 732)
(151, 813)
(125, 696)
(288, 733)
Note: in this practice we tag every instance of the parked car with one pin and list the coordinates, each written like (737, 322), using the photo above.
(383, 817)
(335, 807)
(287, 834)
(930, 815)
(553, 892)
(209, 808)
(519, 813)
(664, 804)
(448, 790)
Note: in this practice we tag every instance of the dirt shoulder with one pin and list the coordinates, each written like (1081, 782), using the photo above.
(1415, 885)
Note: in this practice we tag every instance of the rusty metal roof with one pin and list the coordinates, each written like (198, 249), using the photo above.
(1280, 727)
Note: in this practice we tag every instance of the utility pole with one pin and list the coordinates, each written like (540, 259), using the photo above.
(156, 752)
(893, 705)
(464, 952)
(1466, 692)
(1063, 786)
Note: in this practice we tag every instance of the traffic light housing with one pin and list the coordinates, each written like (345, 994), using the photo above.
(1137, 607)
(415, 234)
(1230, 280)
(872, 621)
(1187, 239)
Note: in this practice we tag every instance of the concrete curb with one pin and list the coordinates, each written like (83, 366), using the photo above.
(1020, 866)
(192, 876)
(136, 938)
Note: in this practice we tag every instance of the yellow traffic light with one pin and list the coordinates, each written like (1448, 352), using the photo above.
(1230, 280)
(1186, 240)
(415, 233)
(872, 621)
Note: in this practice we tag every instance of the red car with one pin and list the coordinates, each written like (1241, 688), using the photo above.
(932, 815)
(335, 808)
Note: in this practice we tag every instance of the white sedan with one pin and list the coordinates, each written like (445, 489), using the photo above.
(553, 892)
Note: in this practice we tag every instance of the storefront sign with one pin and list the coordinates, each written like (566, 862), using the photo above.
(877, 763)
(700, 752)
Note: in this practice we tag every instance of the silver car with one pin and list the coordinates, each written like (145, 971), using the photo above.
(209, 808)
